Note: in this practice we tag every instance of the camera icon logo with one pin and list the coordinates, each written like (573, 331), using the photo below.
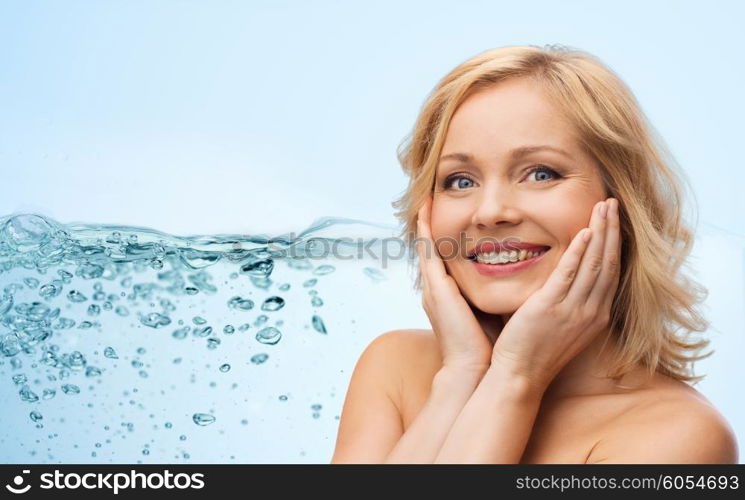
(18, 482)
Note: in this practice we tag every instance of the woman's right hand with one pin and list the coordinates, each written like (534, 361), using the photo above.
(460, 330)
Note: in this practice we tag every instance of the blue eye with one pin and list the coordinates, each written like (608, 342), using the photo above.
(449, 181)
(544, 169)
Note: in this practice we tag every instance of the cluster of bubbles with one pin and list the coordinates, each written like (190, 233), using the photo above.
(60, 281)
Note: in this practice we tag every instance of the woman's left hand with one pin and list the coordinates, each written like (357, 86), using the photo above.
(564, 316)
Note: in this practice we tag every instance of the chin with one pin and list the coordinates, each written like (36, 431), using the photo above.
(495, 305)
(497, 297)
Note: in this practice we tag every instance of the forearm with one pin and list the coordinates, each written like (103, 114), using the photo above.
(496, 422)
(451, 389)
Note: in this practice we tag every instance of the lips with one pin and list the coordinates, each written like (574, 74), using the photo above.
(506, 269)
(495, 246)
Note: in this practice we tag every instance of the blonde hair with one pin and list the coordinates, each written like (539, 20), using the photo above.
(654, 310)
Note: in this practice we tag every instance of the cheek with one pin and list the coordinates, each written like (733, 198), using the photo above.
(445, 232)
(564, 221)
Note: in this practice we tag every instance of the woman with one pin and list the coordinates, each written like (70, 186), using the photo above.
(579, 352)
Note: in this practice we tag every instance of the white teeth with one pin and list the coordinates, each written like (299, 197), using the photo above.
(504, 257)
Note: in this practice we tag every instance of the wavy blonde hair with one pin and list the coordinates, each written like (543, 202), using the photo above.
(654, 311)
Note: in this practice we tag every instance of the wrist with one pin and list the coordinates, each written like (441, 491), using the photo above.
(453, 376)
(520, 372)
(520, 384)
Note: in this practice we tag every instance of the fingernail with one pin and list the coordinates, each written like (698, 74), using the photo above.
(603, 210)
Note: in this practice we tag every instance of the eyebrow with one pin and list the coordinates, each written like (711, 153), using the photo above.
(515, 154)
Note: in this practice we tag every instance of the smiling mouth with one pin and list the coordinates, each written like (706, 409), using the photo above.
(504, 258)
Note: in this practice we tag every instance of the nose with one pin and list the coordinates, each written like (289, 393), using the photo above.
(496, 207)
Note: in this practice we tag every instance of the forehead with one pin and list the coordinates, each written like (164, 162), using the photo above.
(506, 115)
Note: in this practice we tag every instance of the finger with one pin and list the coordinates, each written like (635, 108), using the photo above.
(592, 260)
(558, 283)
(429, 257)
(607, 273)
(418, 244)
(613, 257)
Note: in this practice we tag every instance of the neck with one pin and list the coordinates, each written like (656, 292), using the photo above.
(586, 373)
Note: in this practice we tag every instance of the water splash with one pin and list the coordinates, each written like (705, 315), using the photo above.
(79, 301)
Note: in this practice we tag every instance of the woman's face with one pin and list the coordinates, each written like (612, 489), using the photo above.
(487, 192)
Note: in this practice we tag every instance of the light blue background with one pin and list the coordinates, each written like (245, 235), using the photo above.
(204, 117)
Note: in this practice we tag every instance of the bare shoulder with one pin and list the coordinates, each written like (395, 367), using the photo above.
(671, 422)
(419, 351)
(421, 342)
(418, 358)
(402, 354)
(416, 354)
(372, 419)
(411, 336)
